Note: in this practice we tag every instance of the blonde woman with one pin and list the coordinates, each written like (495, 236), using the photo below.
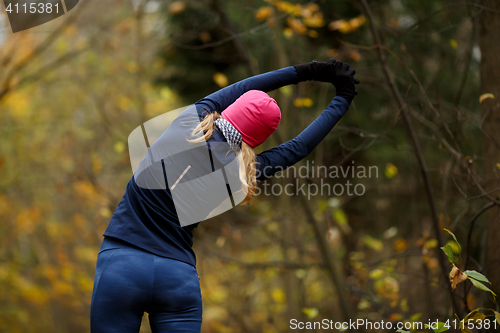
(146, 262)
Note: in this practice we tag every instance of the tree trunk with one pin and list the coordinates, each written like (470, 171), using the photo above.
(490, 109)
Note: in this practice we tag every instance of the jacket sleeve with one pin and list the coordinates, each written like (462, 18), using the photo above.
(221, 99)
(287, 154)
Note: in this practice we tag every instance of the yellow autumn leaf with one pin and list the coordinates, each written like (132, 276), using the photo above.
(298, 102)
(131, 67)
(309, 10)
(395, 317)
(453, 43)
(376, 274)
(357, 22)
(18, 104)
(373, 243)
(205, 36)
(263, 12)
(332, 53)
(288, 7)
(310, 312)
(220, 241)
(86, 253)
(278, 295)
(390, 170)
(340, 216)
(119, 147)
(105, 212)
(300, 273)
(71, 30)
(296, 25)
(27, 219)
(303, 102)
(96, 163)
(61, 46)
(220, 79)
(85, 189)
(400, 245)
(124, 102)
(347, 26)
(287, 32)
(431, 243)
(404, 305)
(313, 33)
(485, 96)
(259, 316)
(31, 292)
(218, 294)
(354, 55)
(340, 25)
(364, 304)
(176, 7)
(307, 102)
(314, 21)
(286, 91)
(81, 43)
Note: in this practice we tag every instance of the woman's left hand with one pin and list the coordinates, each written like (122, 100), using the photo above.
(317, 71)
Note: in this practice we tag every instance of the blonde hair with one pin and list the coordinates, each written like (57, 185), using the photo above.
(246, 155)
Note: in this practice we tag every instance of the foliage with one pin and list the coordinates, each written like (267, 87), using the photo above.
(64, 161)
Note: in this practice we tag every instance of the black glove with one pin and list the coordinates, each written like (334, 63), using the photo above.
(344, 81)
(317, 71)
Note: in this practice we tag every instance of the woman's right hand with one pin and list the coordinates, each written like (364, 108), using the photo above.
(344, 81)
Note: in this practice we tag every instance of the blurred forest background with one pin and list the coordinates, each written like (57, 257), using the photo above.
(73, 89)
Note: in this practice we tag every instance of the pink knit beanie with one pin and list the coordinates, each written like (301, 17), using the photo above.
(255, 115)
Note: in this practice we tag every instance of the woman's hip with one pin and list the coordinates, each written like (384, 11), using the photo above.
(152, 281)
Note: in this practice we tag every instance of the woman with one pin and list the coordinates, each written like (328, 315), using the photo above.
(146, 262)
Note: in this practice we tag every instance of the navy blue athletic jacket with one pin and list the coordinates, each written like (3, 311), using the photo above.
(147, 218)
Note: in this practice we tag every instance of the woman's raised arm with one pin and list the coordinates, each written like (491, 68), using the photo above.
(287, 154)
(222, 98)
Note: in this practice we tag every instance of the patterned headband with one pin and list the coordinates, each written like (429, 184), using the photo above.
(231, 134)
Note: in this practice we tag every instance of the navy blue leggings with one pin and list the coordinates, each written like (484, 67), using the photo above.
(130, 281)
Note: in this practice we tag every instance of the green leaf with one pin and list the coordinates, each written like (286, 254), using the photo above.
(481, 286)
(477, 276)
(441, 327)
(402, 331)
(449, 253)
(455, 238)
(415, 317)
(475, 314)
(474, 317)
(497, 316)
